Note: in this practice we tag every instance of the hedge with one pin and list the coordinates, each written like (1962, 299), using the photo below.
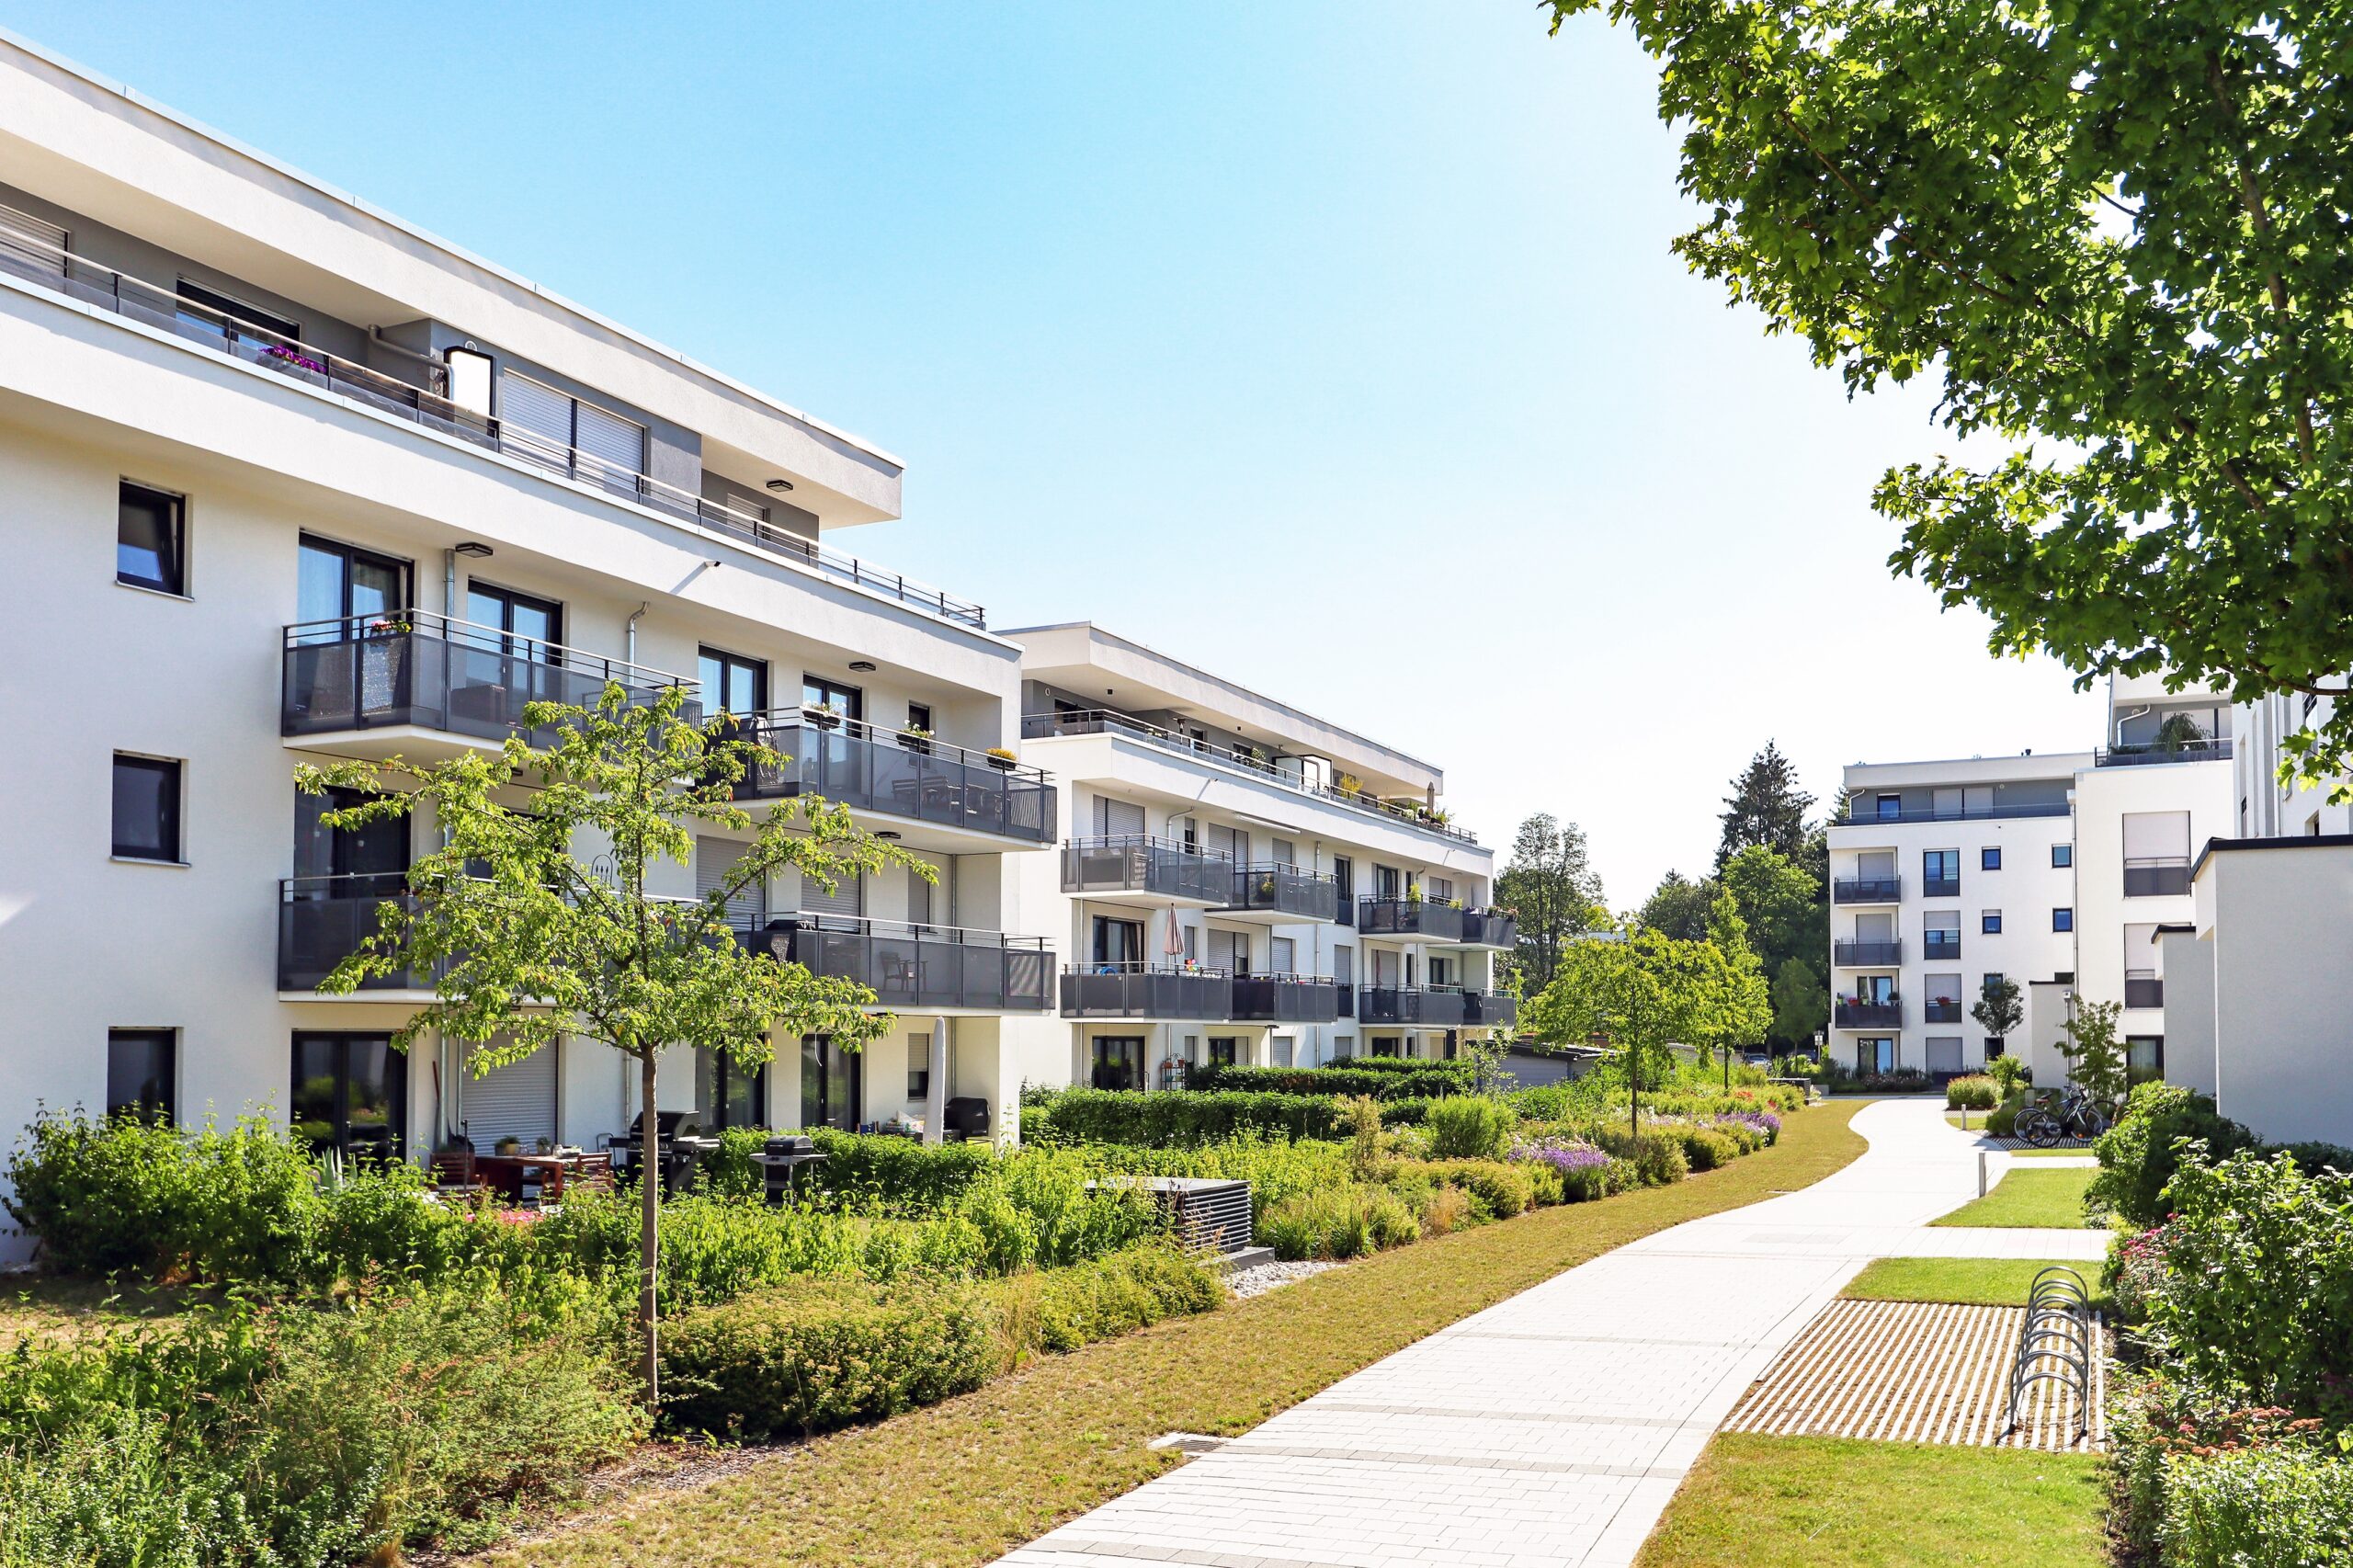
(2283, 1508)
(1159, 1120)
(1062, 1309)
(1413, 1080)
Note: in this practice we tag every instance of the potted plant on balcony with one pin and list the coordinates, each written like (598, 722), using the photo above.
(823, 715)
(1349, 784)
(1001, 759)
(916, 738)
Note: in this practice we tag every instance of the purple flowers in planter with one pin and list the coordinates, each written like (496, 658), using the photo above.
(294, 359)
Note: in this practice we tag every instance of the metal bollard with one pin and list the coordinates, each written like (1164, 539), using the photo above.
(1981, 1173)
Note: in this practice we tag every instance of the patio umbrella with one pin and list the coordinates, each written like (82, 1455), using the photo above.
(935, 1103)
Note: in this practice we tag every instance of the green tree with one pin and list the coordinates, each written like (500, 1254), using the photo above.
(1644, 991)
(2094, 1056)
(1738, 1009)
(2114, 236)
(539, 908)
(1766, 807)
(1788, 924)
(2000, 1009)
(1551, 884)
(1678, 907)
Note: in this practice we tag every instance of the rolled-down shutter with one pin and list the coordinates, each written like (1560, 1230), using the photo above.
(2156, 835)
(1117, 819)
(714, 858)
(44, 254)
(514, 1101)
(541, 410)
(849, 896)
(620, 442)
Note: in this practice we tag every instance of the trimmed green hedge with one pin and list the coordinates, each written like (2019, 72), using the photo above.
(1413, 1080)
(1160, 1120)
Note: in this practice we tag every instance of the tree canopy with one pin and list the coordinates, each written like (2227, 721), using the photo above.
(2116, 236)
(1766, 808)
(1553, 887)
(1678, 907)
(1788, 924)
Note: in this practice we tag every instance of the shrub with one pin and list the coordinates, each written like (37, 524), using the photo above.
(1977, 1092)
(1338, 1222)
(2139, 1155)
(1657, 1157)
(1582, 1170)
(2010, 1076)
(1411, 1078)
(1062, 1309)
(2313, 1158)
(818, 1355)
(1444, 1209)
(2003, 1120)
(1469, 1127)
(1160, 1120)
(1707, 1148)
(908, 1176)
(2282, 1505)
(1502, 1190)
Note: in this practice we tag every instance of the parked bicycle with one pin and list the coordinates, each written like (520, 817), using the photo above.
(2074, 1114)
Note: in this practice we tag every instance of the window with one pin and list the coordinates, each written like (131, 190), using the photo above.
(2144, 1056)
(847, 700)
(833, 1084)
(1891, 808)
(1285, 1049)
(1343, 884)
(2063, 855)
(2062, 920)
(1995, 1047)
(146, 807)
(1441, 889)
(139, 1073)
(1225, 1050)
(31, 244)
(1944, 1054)
(350, 1093)
(1118, 943)
(1992, 981)
(1990, 922)
(728, 1096)
(1282, 956)
(1940, 871)
(919, 1066)
(150, 539)
(341, 582)
(919, 716)
(565, 425)
(1990, 858)
(730, 683)
(1119, 1061)
(1940, 934)
(1343, 1046)
(370, 861)
(529, 628)
(1876, 1055)
(1388, 882)
(1384, 1045)
(209, 305)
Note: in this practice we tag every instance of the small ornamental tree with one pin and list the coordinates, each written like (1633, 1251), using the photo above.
(538, 915)
(2094, 1056)
(1644, 994)
(1739, 1005)
(2000, 1009)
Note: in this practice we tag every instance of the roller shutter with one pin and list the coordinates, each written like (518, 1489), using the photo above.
(42, 256)
(714, 858)
(514, 1101)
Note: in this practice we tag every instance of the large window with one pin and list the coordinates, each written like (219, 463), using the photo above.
(350, 1093)
(370, 861)
(1941, 873)
(146, 807)
(1118, 943)
(337, 581)
(832, 1084)
(729, 1096)
(817, 691)
(140, 1072)
(1119, 1062)
(1224, 1050)
(212, 306)
(566, 424)
(150, 539)
(1875, 1055)
(528, 627)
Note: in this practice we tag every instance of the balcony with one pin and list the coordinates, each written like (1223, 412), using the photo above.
(2211, 748)
(2160, 877)
(1940, 887)
(1410, 918)
(878, 769)
(1940, 944)
(1867, 889)
(1849, 1014)
(1282, 895)
(1146, 990)
(913, 968)
(426, 672)
(1429, 1007)
(1490, 928)
(1285, 999)
(321, 921)
(2143, 991)
(1927, 813)
(1942, 1010)
(1130, 867)
(1258, 764)
(424, 402)
(1490, 1009)
(1867, 955)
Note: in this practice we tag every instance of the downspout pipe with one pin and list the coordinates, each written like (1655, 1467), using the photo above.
(630, 653)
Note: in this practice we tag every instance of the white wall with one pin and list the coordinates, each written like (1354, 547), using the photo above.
(2283, 993)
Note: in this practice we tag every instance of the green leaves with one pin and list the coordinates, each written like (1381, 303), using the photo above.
(2118, 230)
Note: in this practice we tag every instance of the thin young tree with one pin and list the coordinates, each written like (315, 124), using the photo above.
(2000, 1009)
(2094, 1056)
(540, 917)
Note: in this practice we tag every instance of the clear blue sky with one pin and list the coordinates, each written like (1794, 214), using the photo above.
(1336, 348)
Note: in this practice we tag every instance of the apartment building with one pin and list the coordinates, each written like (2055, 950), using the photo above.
(1241, 881)
(286, 478)
(2054, 872)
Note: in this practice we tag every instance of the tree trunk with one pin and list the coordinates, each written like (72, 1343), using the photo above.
(649, 1244)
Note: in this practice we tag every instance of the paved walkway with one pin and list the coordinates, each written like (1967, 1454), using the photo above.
(1553, 1427)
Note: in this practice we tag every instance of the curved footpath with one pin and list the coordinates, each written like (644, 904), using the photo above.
(1553, 1428)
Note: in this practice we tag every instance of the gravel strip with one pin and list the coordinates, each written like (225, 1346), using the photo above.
(1269, 1276)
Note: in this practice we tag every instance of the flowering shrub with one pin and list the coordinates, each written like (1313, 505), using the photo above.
(2135, 1271)
(1764, 1122)
(1583, 1170)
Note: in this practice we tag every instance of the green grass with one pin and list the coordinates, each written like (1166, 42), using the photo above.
(1844, 1503)
(966, 1480)
(2048, 1200)
(1973, 1281)
(2049, 1153)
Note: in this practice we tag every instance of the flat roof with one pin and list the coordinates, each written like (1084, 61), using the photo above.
(2279, 841)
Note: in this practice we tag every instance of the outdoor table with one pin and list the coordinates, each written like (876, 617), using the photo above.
(510, 1173)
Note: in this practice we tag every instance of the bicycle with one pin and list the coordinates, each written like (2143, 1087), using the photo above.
(2076, 1114)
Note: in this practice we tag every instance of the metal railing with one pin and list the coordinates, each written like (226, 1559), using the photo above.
(1435, 1007)
(2213, 748)
(1941, 1010)
(1940, 944)
(1140, 863)
(1424, 919)
(1859, 955)
(1986, 813)
(1286, 890)
(913, 965)
(134, 299)
(2057, 1341)
(369, 671)
(1106, 721)
(1285, 999)
(1146, 990)
(2143, 991)
(1490, 928)
(1867, 889)
(322, 920)
(1850, 1015)
(1940, 887)
(1490, 1009)
(2157, 876)
(871, 768)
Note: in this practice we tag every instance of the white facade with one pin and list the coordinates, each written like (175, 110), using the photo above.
(1179, 789)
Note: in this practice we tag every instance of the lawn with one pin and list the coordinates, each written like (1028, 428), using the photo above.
(2048, 1200)
(1846, 1502)
(1973, 1281)
(963, 1482)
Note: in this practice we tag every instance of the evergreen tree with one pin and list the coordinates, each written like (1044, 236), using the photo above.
(1766, 807)
(1551, 884)
(1678, 908)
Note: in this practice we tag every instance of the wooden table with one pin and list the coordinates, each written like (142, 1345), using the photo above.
(508, 1173)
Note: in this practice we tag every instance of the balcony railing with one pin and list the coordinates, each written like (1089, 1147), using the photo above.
(2213, 748)
(2143, 991)
(1943, 1011)
(1138, 863)
(2156, 878)
(869, 768)
(1490, 928)
(1424, 919)
(1490, 1009)
(371, 672)
(1940, 887)
(1286, 891)
(1867, 889)
(1851, 1015)
(913, 966)
(1285, 999)
(1940, 944)
(1146, 990)
(1867, 955)
(1270, 769)
(322, 920)
(1431, 1007)
(1957, 814)
(427, 404)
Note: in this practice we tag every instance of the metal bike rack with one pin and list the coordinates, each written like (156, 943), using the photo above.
(2056, 1345)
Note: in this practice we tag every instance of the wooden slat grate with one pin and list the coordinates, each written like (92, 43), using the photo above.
(1913, 1372)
